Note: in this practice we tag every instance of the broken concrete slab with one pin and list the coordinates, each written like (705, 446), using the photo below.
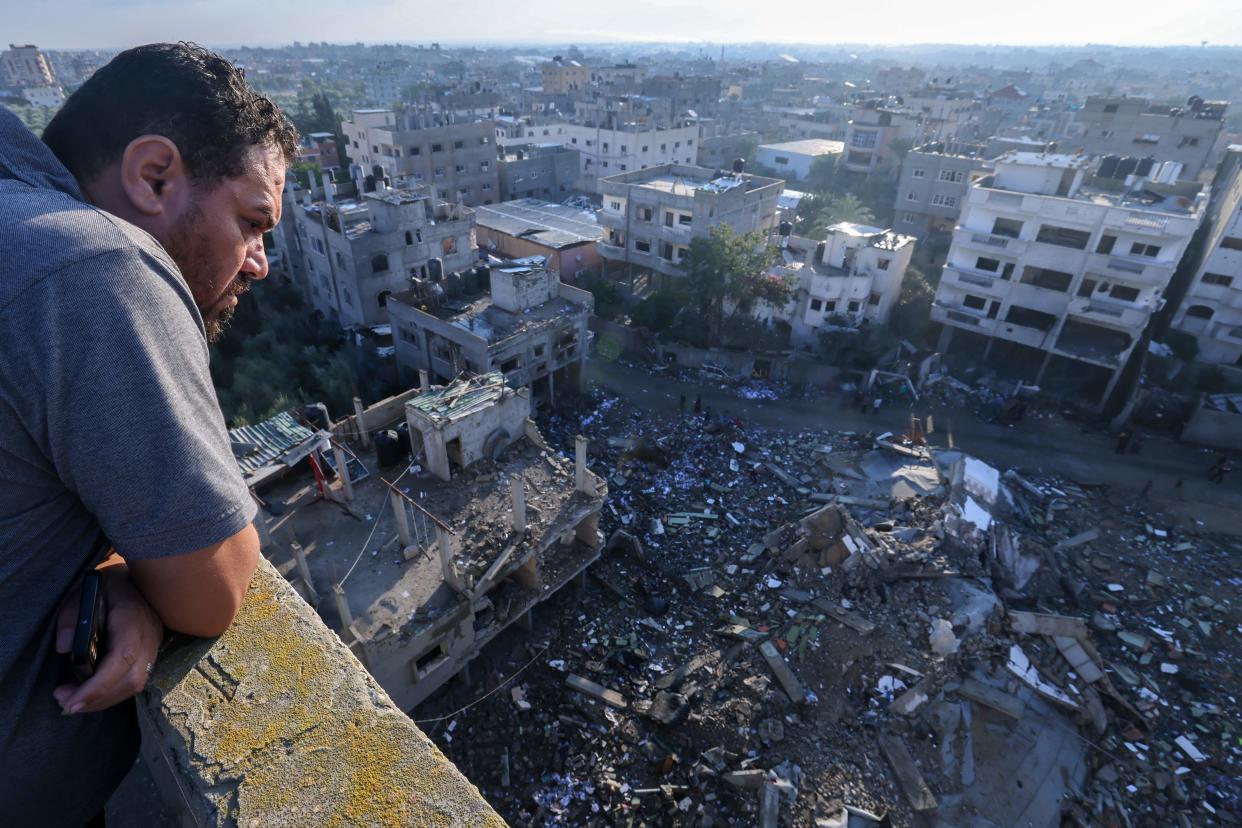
(751, 778)
(992, 697)
(908, 776)
(1078, 540)
(609, 697)
(783, 674)
(1039, 623)
(838, 613)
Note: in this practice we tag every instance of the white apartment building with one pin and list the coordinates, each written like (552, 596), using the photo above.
(853, 276)
(46, 96)
(1212, 309)
(1056, 266)
(794, 159)
(650, 216)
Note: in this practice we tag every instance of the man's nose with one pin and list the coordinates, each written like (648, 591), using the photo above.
(256, 261)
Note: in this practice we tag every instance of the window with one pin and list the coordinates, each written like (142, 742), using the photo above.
(864, 140)
(990, 265)
(439, 172)
(573, 140)
(461, 168)
(974, 302)
(644, 147)
(409, 237)
(487, 188)
(941, 200)
(415, 150)
(1124, 293)
(1048, 279)
(1030, 318)
(603, 163)
(1086, 288)
(340, 260)
(590, 143)
(449, 245)
(484, 166)
(873, 299)
(910, 218)
(1141, 249)
(1199, 312)
(1009, 228)
(918, 172)
(677, 145)
(485, 140)
(1149, 138)
(1063, 237)
(623, 167)
(911, 197)
(382, 299)
(663, 147)
(437, 147)
(374, 150)
(817, 305)
(1110, 108)
(614, 205)
(623, 148)
(1231, 243)
(642, 245)
(379, 263)
(1106, 244)
(953, 176)
(685, 219)
(1188, 141)
(689, 142)
(1106, 133)
(666, 251)
(853, 306)
(782, 160)
(1217, 279)
(643, 213)
(883, 264)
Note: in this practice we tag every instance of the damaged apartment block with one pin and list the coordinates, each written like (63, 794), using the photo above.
(445, 554)
(517, 318)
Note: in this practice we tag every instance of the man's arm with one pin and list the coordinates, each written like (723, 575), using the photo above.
(200, 592)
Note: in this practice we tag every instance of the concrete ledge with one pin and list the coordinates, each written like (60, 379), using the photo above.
(277, 724)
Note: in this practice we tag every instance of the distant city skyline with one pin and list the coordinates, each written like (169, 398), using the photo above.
(109, 24)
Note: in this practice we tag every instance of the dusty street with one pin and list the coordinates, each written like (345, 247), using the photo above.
(1053, 444)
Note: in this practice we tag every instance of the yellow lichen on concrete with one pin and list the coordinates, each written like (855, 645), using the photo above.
(307, 737)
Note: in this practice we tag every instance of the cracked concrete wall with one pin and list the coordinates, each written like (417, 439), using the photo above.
(276, 723)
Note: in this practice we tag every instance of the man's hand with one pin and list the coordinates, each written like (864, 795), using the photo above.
(134, 633)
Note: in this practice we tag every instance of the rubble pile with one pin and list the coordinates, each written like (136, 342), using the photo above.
(830, 629)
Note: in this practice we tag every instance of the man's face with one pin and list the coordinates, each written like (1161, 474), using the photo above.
(217, 241)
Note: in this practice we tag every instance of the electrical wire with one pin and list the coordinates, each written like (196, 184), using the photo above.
(367, 542)
(488, 694)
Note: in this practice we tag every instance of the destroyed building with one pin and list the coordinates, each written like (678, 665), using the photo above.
(351, 253)
(489, 522)
(514, 317)
(1061, 261)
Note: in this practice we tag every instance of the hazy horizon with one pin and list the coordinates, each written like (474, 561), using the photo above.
(114, 24)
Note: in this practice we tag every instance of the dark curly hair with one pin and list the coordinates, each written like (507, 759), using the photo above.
(190, 95)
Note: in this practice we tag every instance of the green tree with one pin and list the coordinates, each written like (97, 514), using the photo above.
(823, 177)
(912, 315)
(849, 207)
(727, 267)
(821, 210)
(657, 311)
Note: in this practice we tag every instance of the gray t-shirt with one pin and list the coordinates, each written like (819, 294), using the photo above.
(108, 423)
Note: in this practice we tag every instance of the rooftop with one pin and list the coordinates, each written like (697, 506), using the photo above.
(686, 180)
(808, 146)
(550, 224)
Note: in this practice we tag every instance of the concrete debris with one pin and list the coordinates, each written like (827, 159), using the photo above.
(827, 629)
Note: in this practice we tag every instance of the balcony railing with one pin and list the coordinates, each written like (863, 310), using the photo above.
(276, 723)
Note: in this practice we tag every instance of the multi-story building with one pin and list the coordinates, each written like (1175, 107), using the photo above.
(456, 159)
(1060, 268)
(873, 136)
(517, 318)
(943, 111)
(538, 171)
(26, 66)
(622, 76)
(605, 151)
(352, 254)
(681, 96)
(932, 186)
(1136, 127)
(562, 76)
(649, 216)
(720, 151)
(1212, 308)
(854, 275)
(793, 159)
(319, 148)
(47, 96)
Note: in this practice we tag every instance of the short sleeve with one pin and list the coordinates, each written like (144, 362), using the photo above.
(133, 426)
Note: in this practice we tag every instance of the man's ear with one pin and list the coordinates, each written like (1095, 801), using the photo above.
(153, 175)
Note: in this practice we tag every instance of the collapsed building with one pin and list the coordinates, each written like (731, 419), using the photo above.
(514, 317)
(434, 560)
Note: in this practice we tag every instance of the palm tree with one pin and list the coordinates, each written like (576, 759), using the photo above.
(848, 208)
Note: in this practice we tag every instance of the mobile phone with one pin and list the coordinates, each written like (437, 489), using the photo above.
(88, 633)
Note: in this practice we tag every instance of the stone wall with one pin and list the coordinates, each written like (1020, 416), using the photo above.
(276, 723)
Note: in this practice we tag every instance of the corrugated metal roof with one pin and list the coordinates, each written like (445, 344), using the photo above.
(460, 396)
(271, 440)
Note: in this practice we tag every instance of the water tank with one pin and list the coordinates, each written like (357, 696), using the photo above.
(739, 165)
(388, 448)
(1108, 166)
(820, 249)
(485, 277)
(1126, 166)
(377, 171)
(786, 229)
(403, 439)
(435, 269)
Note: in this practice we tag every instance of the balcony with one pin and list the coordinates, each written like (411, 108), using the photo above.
(991, 242)
(611, 251)
(974, 278)
(276, 723)
(1111, 313)
(961, 317)
(676, 233)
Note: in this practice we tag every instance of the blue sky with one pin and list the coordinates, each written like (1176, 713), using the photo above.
(117, 23)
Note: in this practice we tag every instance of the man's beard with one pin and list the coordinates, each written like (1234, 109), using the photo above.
(192, 254)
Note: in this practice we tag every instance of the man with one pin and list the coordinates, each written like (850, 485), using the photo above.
(127, 237)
